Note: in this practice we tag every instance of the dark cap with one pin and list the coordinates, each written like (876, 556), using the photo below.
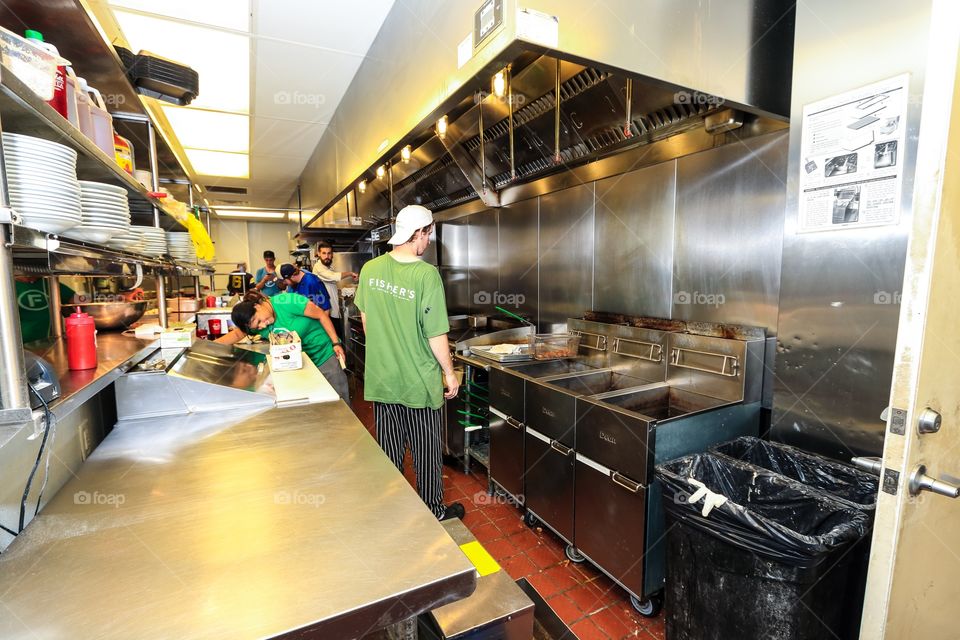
(268, 254)
(287, 270)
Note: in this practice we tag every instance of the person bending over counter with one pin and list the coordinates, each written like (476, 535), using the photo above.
(259, 315)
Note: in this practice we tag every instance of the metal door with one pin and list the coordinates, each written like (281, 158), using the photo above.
(610, 522)
(915, 562)
(506, 453)
(549, 482)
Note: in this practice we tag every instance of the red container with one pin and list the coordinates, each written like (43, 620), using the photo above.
(81, 341)
(211, 301)
(214, 325)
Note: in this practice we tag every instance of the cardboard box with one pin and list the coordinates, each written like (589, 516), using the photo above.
(178, 335)
(286, 351)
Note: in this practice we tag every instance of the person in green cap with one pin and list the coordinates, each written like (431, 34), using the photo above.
(259, 315)
(33, 302)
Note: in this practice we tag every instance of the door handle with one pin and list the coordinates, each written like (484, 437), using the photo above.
(625, 482)
(513, 423)
(920, 481)
(559, 448)
(869, 465)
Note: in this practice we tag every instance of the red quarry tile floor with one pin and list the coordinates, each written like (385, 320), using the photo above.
(586, 600)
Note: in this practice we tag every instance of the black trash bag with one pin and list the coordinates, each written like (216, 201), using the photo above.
(845, 483)
(765, 513)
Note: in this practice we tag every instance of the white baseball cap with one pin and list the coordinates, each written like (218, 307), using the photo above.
(410, 218)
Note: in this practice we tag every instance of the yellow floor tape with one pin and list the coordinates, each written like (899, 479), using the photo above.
(482, 560)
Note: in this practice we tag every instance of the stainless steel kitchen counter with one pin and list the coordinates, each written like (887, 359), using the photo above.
(115, 354)
(287, 521)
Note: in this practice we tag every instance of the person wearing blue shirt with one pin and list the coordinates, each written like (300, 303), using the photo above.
(306, 284)
(267, 280)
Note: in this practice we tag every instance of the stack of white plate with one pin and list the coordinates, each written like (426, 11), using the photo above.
(154, 240)
(129, 240)
(42, 179)
(105, 212)
(180, 246)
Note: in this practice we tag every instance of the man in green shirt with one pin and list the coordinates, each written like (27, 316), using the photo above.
(408, 363)
(33, 301)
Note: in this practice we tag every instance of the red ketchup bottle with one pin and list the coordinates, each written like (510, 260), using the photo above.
(81, 341)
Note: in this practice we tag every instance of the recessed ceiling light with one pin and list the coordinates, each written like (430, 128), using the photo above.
(213, 130)
(227, 14)
(222, 59)
(219, 163)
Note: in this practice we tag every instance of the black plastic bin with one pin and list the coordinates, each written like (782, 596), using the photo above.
(771, 562)
(845, 483)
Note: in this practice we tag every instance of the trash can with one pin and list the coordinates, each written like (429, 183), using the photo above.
(845, 483)
(752, 554)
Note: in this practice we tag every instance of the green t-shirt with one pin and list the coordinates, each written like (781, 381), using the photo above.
(404, 305)
(288, 308)
(34, 305)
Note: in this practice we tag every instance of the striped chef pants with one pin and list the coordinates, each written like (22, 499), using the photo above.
(399, 426)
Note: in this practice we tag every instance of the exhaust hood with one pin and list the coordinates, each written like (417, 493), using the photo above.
(602, 110)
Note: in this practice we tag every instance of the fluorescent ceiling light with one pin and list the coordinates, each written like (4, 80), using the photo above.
(213, 130)
(227, 14)
(253, 215)
(218, 163)
(222, 59)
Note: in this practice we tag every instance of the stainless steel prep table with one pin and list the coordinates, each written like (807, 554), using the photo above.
(115, 354)
(285, 521)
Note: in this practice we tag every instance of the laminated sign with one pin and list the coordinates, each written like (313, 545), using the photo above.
(851, 164)
(286, 351)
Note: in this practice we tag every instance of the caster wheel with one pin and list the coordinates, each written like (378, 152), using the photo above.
(649, 608)
(573, 555)
(530, 520)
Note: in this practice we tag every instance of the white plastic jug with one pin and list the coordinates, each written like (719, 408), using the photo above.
(101, 122)
(83, 108)
(72, 88)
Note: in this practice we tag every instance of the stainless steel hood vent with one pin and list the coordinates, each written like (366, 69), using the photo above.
(601, 113)
(670, 52)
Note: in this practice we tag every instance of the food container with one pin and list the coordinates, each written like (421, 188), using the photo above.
(547, 346)
(178, 335)
(35, 67)
(286, 352)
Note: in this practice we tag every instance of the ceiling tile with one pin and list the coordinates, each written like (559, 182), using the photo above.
(299, 83)
(345, 26)
(284, 138)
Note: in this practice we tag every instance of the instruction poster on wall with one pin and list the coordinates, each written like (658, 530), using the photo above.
(852, 149)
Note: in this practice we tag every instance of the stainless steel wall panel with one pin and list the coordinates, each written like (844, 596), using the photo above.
(455, 265)
(519, 257)
(839, 303)
(839, 309)
(633, 241)
(729, 233)
(566, 254)
(484, 261)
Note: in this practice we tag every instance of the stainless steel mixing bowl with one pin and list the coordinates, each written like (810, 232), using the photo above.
(109, 315)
